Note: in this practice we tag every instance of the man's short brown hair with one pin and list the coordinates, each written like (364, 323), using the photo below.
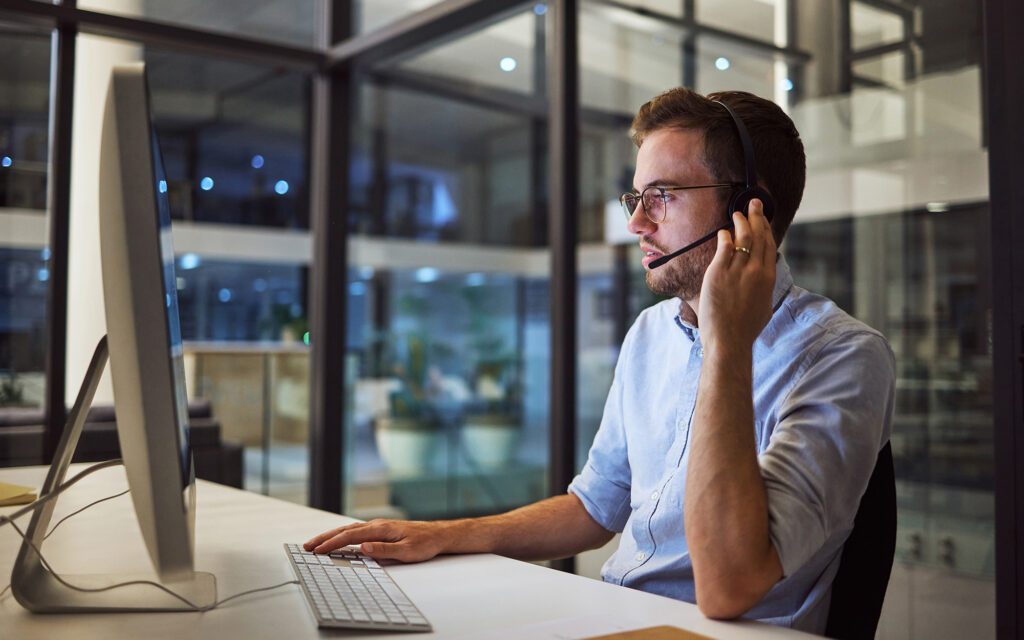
(778, 150)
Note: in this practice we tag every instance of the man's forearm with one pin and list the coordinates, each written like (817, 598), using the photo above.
(558, 527)
(726, 507)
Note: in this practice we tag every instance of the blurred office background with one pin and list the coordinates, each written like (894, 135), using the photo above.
(448, 327)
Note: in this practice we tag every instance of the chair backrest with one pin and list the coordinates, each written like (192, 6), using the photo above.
(859, 587)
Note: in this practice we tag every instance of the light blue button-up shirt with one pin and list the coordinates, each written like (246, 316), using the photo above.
(823, 393)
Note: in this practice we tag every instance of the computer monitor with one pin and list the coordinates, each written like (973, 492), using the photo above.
(145, 352)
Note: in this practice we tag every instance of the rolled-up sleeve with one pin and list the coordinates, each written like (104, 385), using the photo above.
(821, 454)
(603, 486)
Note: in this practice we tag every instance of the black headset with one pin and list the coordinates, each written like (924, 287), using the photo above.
(741, 196)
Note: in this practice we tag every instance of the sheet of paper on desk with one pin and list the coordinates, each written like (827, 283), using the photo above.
(13, 494)
(589, 628)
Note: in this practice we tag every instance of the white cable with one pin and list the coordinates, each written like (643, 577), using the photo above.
(53, 494)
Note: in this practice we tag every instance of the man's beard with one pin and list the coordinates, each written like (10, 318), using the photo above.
(682, 277)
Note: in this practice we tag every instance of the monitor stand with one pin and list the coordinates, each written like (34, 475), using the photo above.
(38, 590)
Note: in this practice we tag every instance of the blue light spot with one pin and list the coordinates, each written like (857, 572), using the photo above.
(475, 279)
(281, 187)
(206, 183)
(189, 261)
(540, 9)
(7, 161)
(224, 295)
(44, 275)
(45, 253)
(259, 285)
(427, 274)
(508, 65)
(366, 273)
(356, 288)
(162, 186)
(257, 162)
(786, 84)
(722, 64)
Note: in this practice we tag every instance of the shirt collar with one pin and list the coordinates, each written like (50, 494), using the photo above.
(783, 284)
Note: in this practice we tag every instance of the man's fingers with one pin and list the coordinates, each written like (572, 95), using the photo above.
(315, 541)
(724, 251)
(369, 532)
(744, 235)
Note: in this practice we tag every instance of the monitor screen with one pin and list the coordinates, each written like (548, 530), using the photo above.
(170, 282)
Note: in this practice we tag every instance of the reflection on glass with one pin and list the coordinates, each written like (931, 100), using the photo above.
(286, 22)
(625, 57)
(756, 19)
(872, 26)
(501, 56)
(24, 94)
(24, 255)
(429, 167)
(448, 411)
(375, 14)
(233, 139)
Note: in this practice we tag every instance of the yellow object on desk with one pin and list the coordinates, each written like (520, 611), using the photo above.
(664, 632)
(15, 494)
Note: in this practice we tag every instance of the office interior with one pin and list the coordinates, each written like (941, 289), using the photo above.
(425, 163)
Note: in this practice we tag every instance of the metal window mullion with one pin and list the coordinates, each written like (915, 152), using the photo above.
(58, 195)
(563, 177)
(1003, 86)
(329, 186)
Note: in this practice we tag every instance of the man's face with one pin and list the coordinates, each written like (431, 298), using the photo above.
(672, 157)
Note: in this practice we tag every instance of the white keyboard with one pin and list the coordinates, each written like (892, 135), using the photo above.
(350, 590)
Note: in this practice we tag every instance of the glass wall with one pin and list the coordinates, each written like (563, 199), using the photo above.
(448, 328)
(24, 251)
(893, 227)
(234, 141)
(281, 21)
(450, 356)
(234, 137)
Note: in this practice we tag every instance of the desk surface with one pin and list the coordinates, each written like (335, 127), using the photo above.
(239, 537)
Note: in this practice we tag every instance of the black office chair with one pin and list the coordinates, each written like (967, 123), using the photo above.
(859, 587)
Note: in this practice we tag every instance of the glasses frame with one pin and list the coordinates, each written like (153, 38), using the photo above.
(664, 188)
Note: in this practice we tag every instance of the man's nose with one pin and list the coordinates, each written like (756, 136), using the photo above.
(639, 224)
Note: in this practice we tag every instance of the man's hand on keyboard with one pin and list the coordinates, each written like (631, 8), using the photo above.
(406, 541)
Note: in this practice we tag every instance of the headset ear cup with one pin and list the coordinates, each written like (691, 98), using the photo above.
(741, 198)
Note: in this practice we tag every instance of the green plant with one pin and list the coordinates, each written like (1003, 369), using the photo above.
(11, 391)
(495, 371)
(414, 405)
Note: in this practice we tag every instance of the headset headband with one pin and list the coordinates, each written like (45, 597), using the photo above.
(748, 148)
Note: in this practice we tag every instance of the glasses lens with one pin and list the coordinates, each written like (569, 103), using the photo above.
(654, 204)
(629, 202)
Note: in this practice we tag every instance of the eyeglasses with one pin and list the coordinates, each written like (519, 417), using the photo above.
(655, 200)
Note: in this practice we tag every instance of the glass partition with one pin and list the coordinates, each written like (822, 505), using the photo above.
(449, 402)
(24, 239)
(893, 227)
(272, 20)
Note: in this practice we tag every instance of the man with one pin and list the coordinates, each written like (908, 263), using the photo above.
(745, 416)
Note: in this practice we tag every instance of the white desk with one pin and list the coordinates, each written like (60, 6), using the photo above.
(239, 537)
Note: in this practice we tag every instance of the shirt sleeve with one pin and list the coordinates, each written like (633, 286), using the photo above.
(603, 486)
(822, 452)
